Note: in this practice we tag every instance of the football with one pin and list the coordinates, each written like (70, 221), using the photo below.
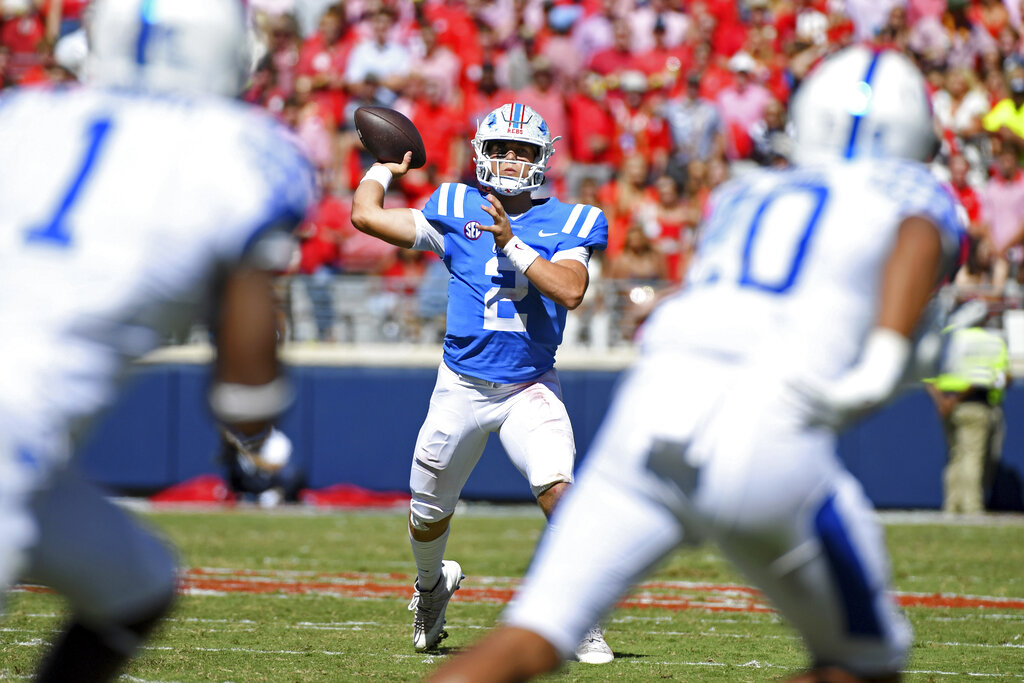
(388, 135)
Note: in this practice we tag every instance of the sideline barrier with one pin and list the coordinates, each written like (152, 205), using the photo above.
(358, 411)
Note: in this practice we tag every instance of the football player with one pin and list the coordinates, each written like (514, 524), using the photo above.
(797, 316)
(129, 207)
(517, 265)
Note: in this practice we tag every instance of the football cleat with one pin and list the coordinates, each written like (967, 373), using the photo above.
(429, 607)
(593, 649)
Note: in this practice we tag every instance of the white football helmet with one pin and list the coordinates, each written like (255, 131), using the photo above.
(862, 103)
(187, 46)
(520, 123)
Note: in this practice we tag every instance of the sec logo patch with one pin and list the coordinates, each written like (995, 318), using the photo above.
(472, 230)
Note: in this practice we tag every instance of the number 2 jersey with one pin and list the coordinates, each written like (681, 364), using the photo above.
(788, 269)
(117, 211)
(500, 328)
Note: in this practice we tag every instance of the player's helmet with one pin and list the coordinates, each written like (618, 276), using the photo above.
(189, 46)
(863, 103)
(513, 122)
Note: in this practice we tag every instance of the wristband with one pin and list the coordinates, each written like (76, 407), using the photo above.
(520, 254)
(380, 174)
(880, 368)
(232, 403)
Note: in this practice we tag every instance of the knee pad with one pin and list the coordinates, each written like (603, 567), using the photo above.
(422, 514)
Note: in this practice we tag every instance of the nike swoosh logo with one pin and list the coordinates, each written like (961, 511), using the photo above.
(546, 234)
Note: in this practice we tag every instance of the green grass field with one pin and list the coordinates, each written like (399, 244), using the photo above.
(295, 596)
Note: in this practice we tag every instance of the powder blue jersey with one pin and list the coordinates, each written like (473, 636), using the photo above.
(500, 327)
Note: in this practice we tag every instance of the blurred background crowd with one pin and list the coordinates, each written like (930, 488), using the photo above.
(657, 103)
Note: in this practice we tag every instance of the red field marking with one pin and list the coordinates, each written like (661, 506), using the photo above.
(672, 596)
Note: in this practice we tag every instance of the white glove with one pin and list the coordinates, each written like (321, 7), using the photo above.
(866, 385)
(269, 450)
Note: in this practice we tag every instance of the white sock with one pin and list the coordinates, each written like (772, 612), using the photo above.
(428, 556)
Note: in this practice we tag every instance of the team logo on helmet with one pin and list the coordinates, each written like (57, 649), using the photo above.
(472, 230)
(516, 120)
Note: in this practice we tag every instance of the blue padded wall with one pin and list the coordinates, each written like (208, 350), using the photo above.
(358, 425)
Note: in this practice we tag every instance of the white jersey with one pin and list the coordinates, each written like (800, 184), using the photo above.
(117, 211)
(789, 265)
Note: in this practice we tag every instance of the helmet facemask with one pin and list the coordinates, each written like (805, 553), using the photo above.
(518, 176)
(512, 123)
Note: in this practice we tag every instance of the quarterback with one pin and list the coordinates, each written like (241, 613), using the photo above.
(797, 316)
(129, 207)
(517, 265)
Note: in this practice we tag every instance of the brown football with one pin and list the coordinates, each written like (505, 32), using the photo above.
(388, 135)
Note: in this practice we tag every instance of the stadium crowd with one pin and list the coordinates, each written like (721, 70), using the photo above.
(657, 102)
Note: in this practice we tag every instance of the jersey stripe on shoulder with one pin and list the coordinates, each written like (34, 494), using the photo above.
(458, 200)
(442, 199)
(574, 216)
(588, 224)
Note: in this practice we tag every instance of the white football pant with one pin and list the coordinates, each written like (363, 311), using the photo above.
(695, 448)
(530, 420)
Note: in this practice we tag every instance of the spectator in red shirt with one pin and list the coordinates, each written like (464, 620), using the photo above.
(990, 15)
(321, 67)
(639, 126)
(22, 35)
(437, 63)
(663, 63)
(670, 221)
(595, 32)
(263, 89)
(441, 126)
(760, 29)
(23, 29)
(591, 135)
(484, 96)
(621, 198)
(456, 28)
(965, 194)
(619, 56)
(549, 102)
(320, 236)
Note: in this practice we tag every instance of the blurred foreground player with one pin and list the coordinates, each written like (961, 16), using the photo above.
(126, 209)
(517, 264)
(797, 317)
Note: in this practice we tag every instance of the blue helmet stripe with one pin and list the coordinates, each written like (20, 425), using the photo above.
(851, 145)
(146, 21)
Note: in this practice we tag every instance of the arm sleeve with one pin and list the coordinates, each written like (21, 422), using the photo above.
(581, 254)
(428, 238)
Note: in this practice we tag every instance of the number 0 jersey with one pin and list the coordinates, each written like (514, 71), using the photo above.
(116, 212)
(500, 327)
(789, 265)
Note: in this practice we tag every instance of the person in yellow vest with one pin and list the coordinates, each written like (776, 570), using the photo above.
(969, 396)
